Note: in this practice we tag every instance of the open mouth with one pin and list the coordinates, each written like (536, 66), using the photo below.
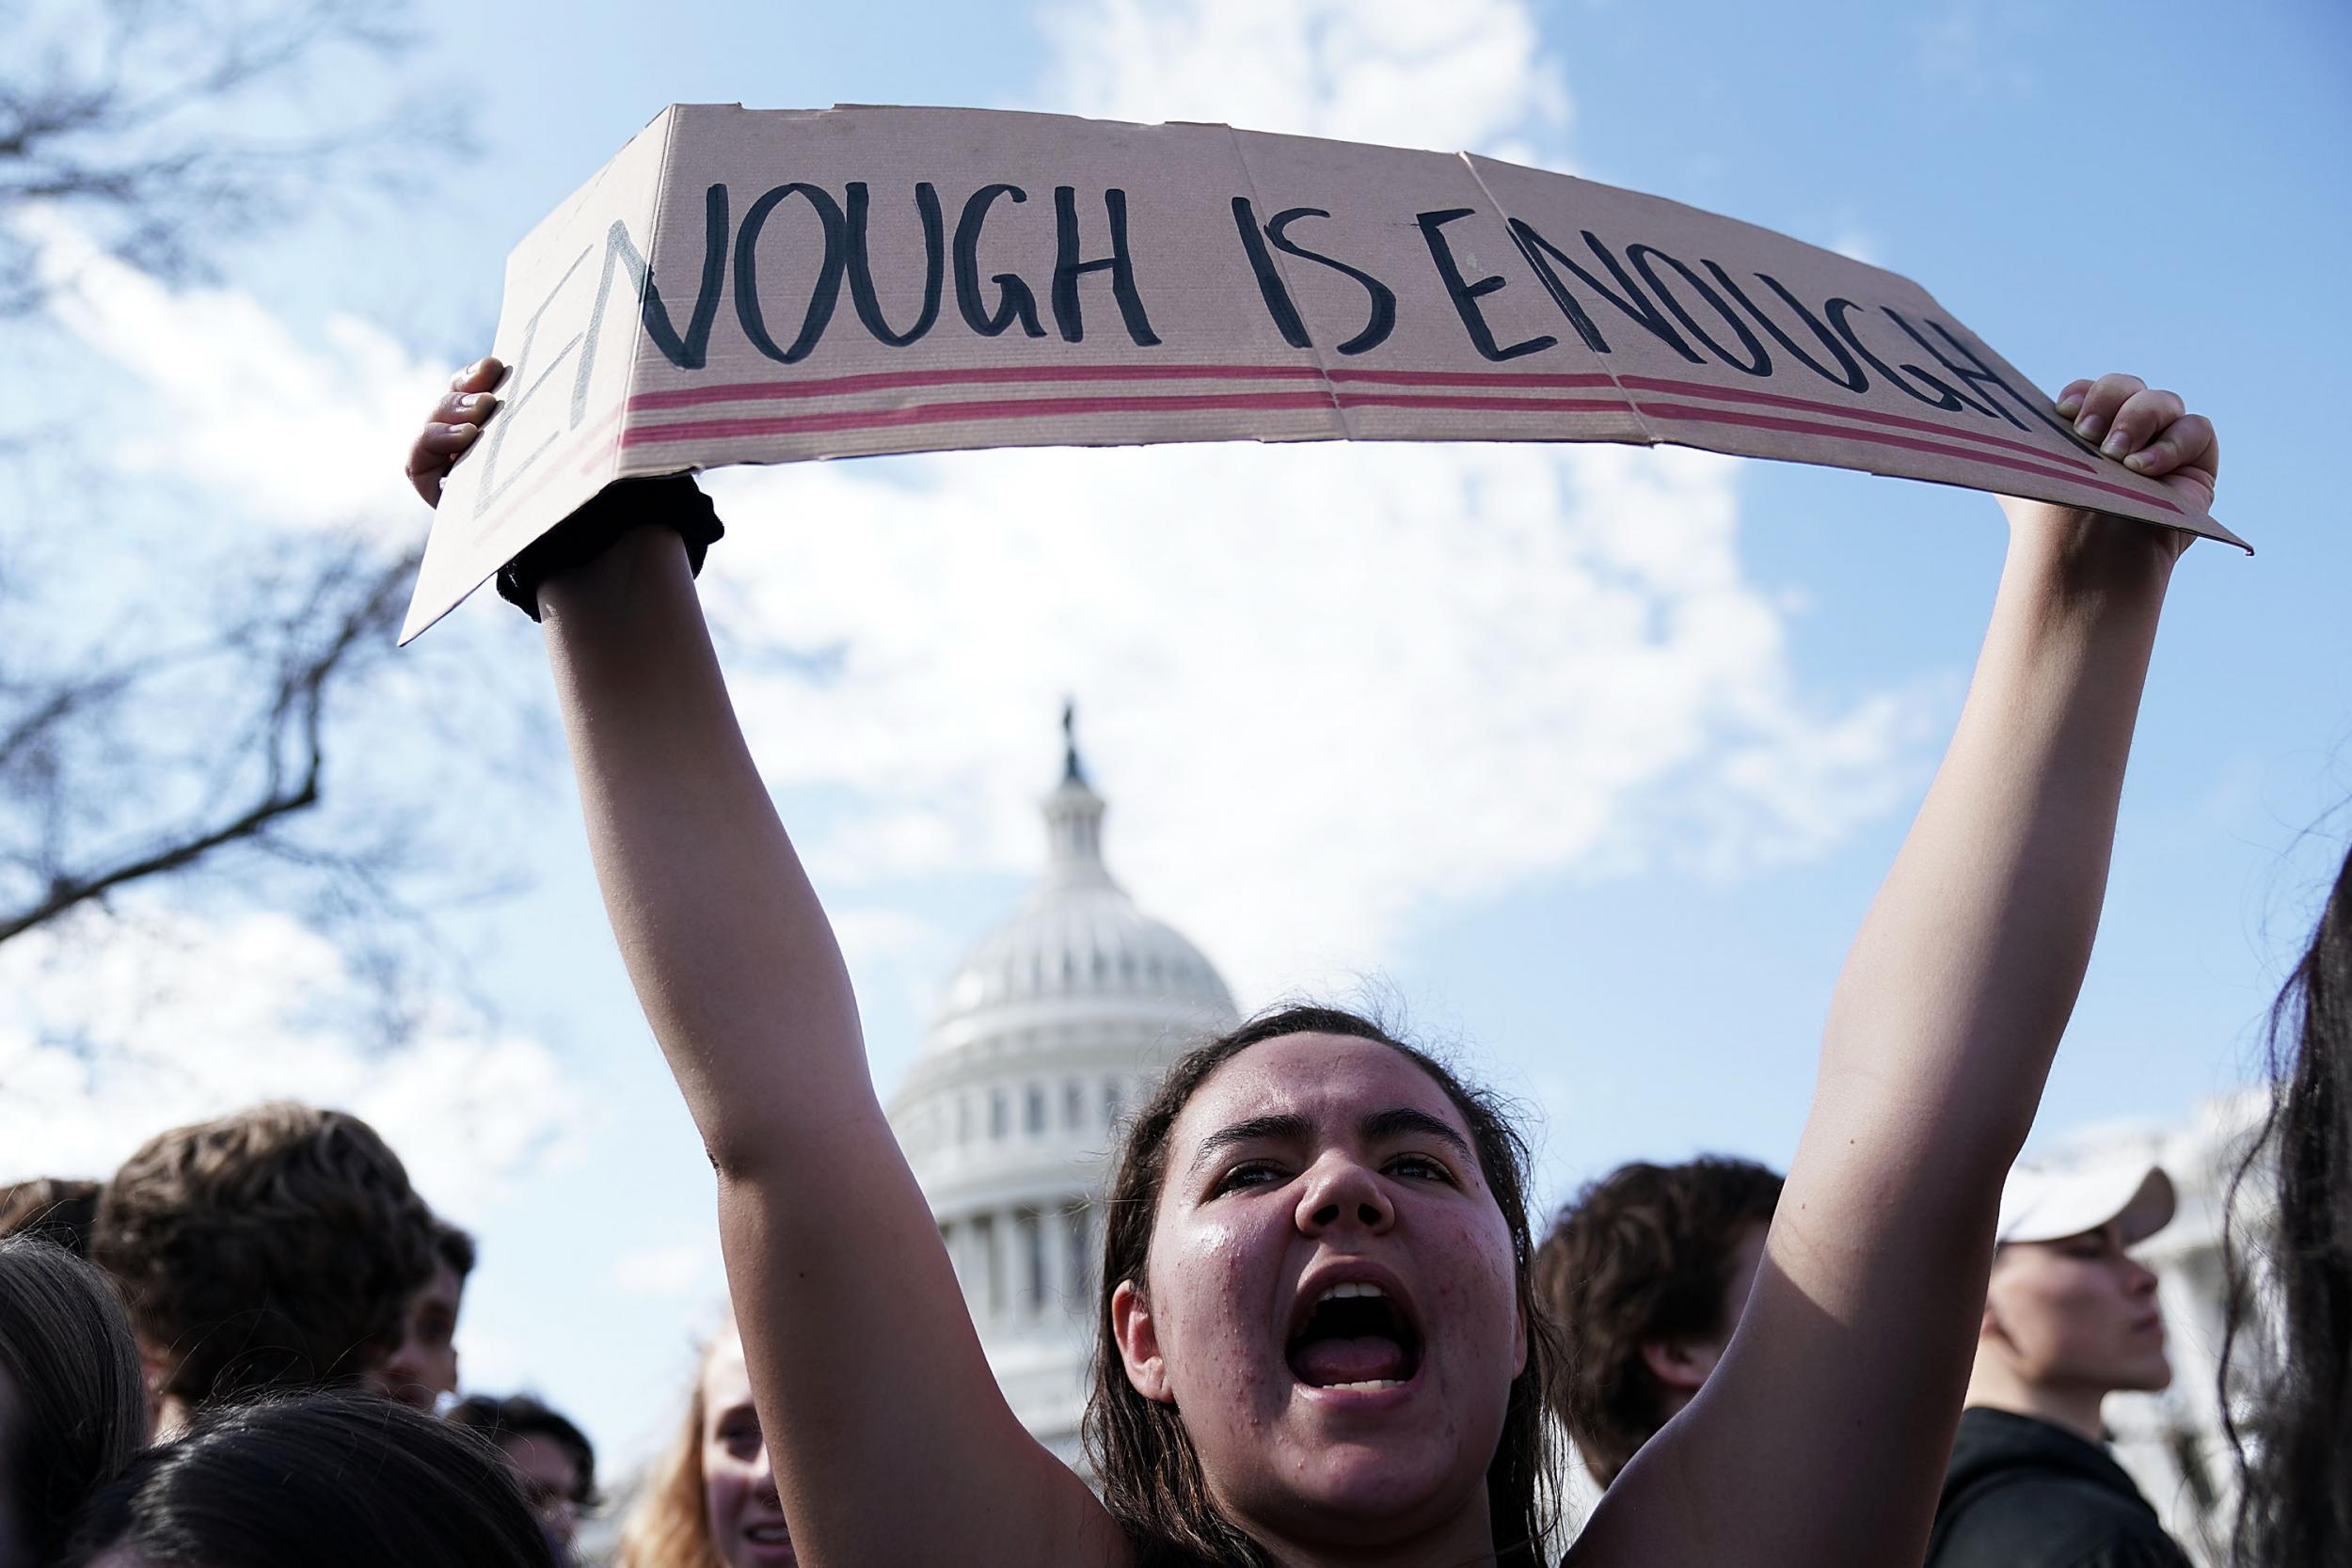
(1355, 1337)
(771, 1539)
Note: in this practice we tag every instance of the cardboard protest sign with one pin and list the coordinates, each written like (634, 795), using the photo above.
(743, 286)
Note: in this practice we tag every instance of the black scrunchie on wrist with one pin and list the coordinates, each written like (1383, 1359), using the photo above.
(674, 500)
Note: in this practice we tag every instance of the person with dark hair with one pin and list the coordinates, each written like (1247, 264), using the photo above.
(2295, 1503)
(554, 1461)
(72, 1404)
(299, 1481)
(270, 1248)
(2069, 1317)
(1321, 1343)
(421, 1365)
(58, 1208)
(1645, 1273)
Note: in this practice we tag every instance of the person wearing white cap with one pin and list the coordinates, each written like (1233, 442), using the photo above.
(2069, 1318)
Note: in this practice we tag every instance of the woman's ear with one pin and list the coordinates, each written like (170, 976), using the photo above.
(1139, 1344)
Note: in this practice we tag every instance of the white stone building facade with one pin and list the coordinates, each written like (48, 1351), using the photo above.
(1053, 1024)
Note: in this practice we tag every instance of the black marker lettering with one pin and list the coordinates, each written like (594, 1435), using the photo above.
(1278, 303)
(686, 353)
(1541, 253)
(1757, 363)
(1068, 269)
(1944, 396)
(1848, 375)
(1466, 294)
(1988, 376)
(821, 297)
(1014, 302)
(862, 265)
(1382, 320)
(1979, 405)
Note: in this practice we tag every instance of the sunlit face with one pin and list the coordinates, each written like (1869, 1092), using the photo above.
(1306, 1166)
(2077, 1313)
(424, 1365)
(746, 1522)
(550, 1477)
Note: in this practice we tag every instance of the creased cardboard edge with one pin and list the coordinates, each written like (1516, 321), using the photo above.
(2204, 527)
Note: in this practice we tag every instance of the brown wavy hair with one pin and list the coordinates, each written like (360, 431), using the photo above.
(669, 1527)
(1644, 1253)
(273, 1248)
(1151, 1474)
(57, 1209)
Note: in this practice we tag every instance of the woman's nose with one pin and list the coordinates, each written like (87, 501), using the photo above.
(1343, 1194)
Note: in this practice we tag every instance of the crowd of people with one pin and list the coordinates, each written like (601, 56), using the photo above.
(1328, 1329)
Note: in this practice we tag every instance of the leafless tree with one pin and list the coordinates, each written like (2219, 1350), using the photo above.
(166, 717)
(165, 125)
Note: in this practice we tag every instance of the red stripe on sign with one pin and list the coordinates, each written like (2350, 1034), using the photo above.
(1810, 427)
(1745, 394)
(1440, 400)
(1470, 378)
(883, 381)
(944, 413)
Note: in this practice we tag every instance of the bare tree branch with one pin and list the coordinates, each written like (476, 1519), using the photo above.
(295, 752)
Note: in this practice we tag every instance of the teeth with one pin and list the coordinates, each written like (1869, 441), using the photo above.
(1342, 1292)
(1372, 1386)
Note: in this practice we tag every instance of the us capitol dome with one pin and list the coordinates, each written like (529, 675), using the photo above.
(1055, 1023)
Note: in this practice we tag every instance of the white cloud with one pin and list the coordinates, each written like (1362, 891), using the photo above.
(304, 430)
(1461, 75)
(1326, 687)
(112, 1028)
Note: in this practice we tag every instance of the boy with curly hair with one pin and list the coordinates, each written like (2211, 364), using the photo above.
(273, 1247)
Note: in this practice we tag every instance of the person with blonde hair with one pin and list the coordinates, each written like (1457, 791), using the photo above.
(710, 1498)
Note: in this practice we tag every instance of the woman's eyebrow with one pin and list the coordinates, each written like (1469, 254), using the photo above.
(1387, 1124)
(1280, 1125)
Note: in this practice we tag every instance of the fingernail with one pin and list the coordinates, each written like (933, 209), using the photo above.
(2139, 460)
(2090, 426)
(476, 400)
(464, 432)
(2070, 403)
(2117, 444)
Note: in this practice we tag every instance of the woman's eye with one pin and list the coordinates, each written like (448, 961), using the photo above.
(1246, 1176)
(1421, 1167)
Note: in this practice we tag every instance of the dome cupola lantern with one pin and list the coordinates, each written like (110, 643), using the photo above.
(1055, 1023)
(1073, 816)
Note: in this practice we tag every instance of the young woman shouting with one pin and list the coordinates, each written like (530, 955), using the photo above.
(1319, 1346)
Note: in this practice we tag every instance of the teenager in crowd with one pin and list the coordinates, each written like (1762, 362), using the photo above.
(2068, 1318)
(299, 1481)
(2295, 1506)
(710, 1499)
(58, 1208)
(553, 1462)
(270, 1248)
(421, 1366)
(1322, 1346)
(73, 1404)
(1645, 1273)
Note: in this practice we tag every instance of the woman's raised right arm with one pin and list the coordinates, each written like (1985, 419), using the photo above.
(890, 1440)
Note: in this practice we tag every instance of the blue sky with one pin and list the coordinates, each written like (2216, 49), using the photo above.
(1637, 935)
